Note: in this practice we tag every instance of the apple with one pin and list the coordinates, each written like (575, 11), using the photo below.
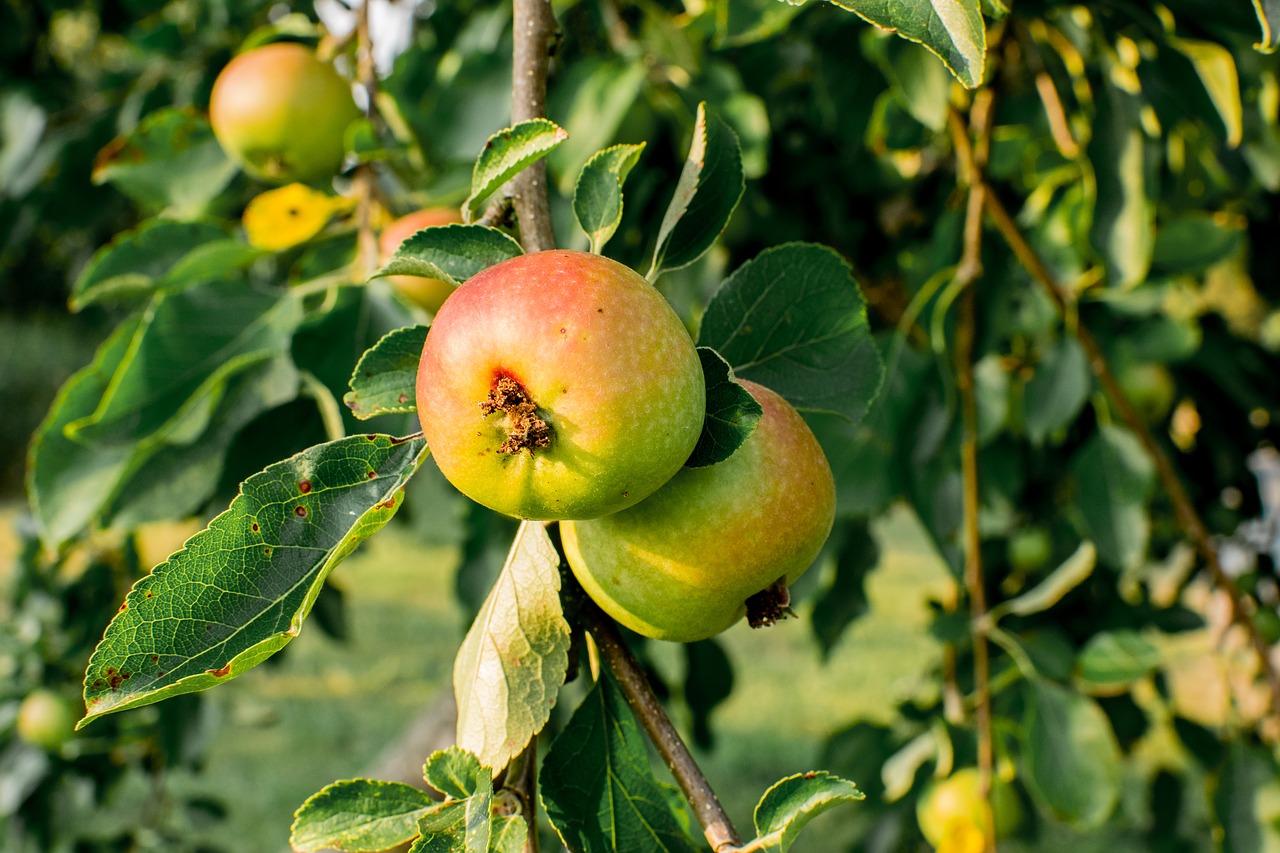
(430, 293)
(559, 385)
(952, 815)
(681, 565)
(1029, 549)
(1150, 388)
(281, 113)
(46, 719)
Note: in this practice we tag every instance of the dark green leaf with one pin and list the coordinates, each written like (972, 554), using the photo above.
(1070, 756)
(515, 655)
(597, 199)
(598, 786)
(1123, 221)
(793, 319)
(1116, 659)
(732, 413)
(953, 29)
(359, 815)
(507, 153)
(135, 262)
(239, 590)
(1195, 241)
(451, 253)
(171, 162)
(1244, 802)
(1058, 390)
(1114, 478)
(792, 802)
(709, 188)
(845, 600)
(384, 380)
(708, 682)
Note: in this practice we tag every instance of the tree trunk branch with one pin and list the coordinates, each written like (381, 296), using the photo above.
(535, 33)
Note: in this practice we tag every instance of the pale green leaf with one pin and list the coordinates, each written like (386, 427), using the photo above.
(792, 802)
(507, 153)
(359, 815)
(952, 29)
(451, 253)
(1070, 574)
(1116, 659)
(1071, 761)
(597, 199)
(1216, 68)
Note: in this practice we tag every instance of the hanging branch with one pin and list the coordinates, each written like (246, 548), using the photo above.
(364, 184)
(716, 826)
(970, 159)
(1184, 510)
(535, 34)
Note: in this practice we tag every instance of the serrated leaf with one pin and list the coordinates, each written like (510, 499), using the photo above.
(732, 413)
(359, 815)
(793, 319)
(597, 198)
(1216, 68)
(505, 154)
(239, 590)
(1116, 659)
(456, 773)
(1070, 574)
(1114, 478)
(1071, 761)
(451, 253)
(470, 827)
(384, 379)
(710, 185)
(1058, 390)
(134, 262)
(794, 801)
(598, 786)
(591, 99)
(1268, 12)
(515, 656)
(952, 29)
(171, 161)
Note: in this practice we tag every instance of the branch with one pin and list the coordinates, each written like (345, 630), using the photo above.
(716, 825)
(1183, 508)
(535, 34)
(365, 181)
(970, 160)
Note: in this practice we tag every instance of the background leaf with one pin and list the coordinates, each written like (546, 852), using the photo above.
(385, 378)
(1123, 229)
(359, 815)
(508, 152)
(135, 262)
(515, 655)
(1115, 659)
(732, 413)
(451, 253)
(706, 195)
(794, 801)
(239, 590)
(598, 786)
(597, 198)
(1114, 478)
(1058, 390)
(793, 319)
(952, 29)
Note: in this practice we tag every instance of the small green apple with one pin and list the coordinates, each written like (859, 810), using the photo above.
(281, 113)
(681, 565)
(559, 385)
(46, 719)
(1029, 549)
(430, 293)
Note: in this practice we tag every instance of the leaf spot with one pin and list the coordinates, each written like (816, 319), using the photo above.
(300, 511)
(220, 673)
(304, 486)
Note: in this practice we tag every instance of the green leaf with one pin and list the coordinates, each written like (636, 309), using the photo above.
(1123, 221)
(1247, 800)
(1058, 390)
(845, 600)
(1071, 761)
(515, 656)
(793, 319)
(598, 786)
(920, 81)
(592, 98)
(794, 801)
(1116, 659)
(952, 29)
(359, 815)
(1268, 11)
(706, 195)
(1073, 572)
(748, 21)
(384, 380)
(469, 821)
(171, 162)
(135, 262)
(239, 590)
(451, 253)
(597, 199)
(1216, 69)
(732, 413)
(1193, 242)
(456, 773)
(1114, 478)
(507, 153)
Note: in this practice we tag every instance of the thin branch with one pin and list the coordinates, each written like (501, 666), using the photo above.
(716, 826)
(365, 181)
(535, 34)
(1170, 481)
(968, 274)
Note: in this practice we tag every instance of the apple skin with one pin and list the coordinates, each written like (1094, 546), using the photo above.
(951, 807)
(680, 565)
(281, 113)
(46, 719)
(600, 354)
(429, 293)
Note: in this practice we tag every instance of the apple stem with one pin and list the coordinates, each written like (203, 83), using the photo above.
(535, 35)
(716, 826)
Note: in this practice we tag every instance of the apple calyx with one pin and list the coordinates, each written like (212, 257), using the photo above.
(770, 605)
(525, 430)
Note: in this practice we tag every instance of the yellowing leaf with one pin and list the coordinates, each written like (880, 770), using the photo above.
(289, 216)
